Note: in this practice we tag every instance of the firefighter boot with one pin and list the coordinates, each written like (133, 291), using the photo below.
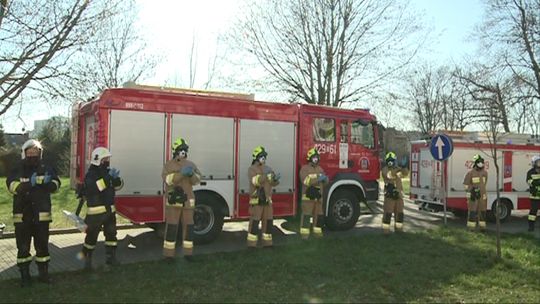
(531, 226)
(110, 253)
(399, 222)
(43, 270)
(253, 234)
(87, 257)
(305, 226)
(26, 279)
(387, 217)
(317, 230)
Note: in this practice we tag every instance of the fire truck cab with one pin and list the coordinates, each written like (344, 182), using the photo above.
(138, 125)
(430, 184)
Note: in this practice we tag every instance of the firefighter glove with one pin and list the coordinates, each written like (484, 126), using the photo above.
(322, 178)
(187, 171)
(114, 173)
(277, 177)
(47, 178)
(536, 182)
(33, 179)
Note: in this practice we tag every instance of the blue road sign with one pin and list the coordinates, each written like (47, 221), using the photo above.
(441, 147)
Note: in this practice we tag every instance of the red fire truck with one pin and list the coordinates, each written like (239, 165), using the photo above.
(138, 125)
(430, 183)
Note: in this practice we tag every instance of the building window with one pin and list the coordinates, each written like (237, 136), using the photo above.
(324, 129)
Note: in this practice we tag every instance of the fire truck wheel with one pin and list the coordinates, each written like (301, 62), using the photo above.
(343, 211)
(208, 218)
(505, 211)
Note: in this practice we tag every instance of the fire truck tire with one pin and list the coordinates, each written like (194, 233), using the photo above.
(505, 208)
(208, 218)
(343, 211)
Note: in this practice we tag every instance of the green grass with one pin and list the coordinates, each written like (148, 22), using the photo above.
(64, 198)
(444, 265)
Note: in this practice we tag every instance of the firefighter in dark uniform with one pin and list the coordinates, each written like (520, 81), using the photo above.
(261, 181)
(533, 179)
(313, 179)
(475, 182)
(100, 185)
(393, 193)
(31, 184)
(180, 175)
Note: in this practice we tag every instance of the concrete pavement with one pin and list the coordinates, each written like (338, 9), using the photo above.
(65, 248)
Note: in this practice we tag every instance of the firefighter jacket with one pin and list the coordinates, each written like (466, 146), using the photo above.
(474, 181)
(32, 203)
(393, 186)
(533, 179)
(311, 187)
(100, 189)
(261, 179)
(175, 180)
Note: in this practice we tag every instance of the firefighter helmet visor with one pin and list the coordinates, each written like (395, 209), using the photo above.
(31, 143)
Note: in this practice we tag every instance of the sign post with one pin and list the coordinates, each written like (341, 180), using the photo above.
(441, 147)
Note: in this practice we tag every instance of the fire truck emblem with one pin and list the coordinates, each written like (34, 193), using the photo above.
(364, 163)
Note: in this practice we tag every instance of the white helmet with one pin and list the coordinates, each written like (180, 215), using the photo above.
(534, 159)
(29, 144)
(98, 154)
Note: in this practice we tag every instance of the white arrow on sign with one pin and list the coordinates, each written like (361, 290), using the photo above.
(439, 144)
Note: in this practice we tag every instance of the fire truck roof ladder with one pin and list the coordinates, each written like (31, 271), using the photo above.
(132, 85)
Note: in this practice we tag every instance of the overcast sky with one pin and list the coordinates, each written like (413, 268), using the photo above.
(172, 24)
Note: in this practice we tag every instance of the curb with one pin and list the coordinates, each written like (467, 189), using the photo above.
(11, 234)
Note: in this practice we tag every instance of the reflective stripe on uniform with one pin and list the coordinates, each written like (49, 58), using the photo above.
(43, 259)
(471, 224)
(57, 183)
(17, 217)
(468, 195)
(476, 180)
(252, 237)
(169, 244)
(24, 260)
(187, 244)
(482, 224)
(317, 230)
(191, 202)
(13, 187)
(98, 210)
(88, 246)
(305, 198)
(117, 188)
(100, 183)
(45, 216)
(304, 230)
(532, 217)
(267, 236)
(399, 225)
(254, 201)
(386, 226)
(169, 179)
(255, 180)
(111, 243)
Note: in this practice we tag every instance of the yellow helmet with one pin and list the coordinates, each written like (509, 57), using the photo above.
(312, 152)
(477, 159)
(180, 144)
(390, 156)
(258, 152)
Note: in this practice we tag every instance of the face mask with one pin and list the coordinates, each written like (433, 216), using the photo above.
(182, 154)
(262, 160)
(105, 164)
(390, 163)
(480, 165)
(32, 160)
(315, 160)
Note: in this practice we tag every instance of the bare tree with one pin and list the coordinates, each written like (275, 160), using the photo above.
(116, 54)
(511, 30)
(37, 40)
(329, 51)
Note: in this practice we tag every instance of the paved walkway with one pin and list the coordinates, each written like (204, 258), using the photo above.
(65, 248)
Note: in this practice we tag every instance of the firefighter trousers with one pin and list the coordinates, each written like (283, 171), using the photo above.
(476, 214)
(174, 214)
(95, 222)
(258, 213)
(24, 231)
(312, 210)
(394, 206)
(532, 213)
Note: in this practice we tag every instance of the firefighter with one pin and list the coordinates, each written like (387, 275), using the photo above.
(261, 181)
(31, 184)
(393, 196)
(100, 185)
(475, 185)
(180, 175)
(313, 179)
(533, 179)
